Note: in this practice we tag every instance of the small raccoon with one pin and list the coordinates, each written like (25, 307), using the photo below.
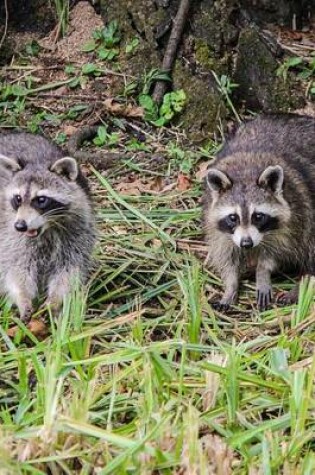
(259, 205)
(46, 221)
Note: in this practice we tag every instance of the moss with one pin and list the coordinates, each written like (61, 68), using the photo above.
(203, 107)
(256, 75)
(204, 55)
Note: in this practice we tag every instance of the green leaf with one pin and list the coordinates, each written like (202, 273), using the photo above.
(74, 83)
(89, 68)
(70, 69)
(17, 90)
(89, 46)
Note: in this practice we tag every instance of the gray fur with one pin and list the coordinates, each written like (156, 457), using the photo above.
(61, 252)
(271, 163)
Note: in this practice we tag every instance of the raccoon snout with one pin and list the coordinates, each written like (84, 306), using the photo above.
(20, 225)
(247, 242)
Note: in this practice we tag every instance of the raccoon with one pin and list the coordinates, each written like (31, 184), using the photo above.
(46, 222)
(259, 205)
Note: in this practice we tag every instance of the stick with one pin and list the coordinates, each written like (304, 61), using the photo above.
(171, 48)
(6, 23)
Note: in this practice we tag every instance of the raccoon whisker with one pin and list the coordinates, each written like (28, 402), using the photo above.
(64, 214)
(57, 224)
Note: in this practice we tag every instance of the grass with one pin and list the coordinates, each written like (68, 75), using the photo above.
(140, 376)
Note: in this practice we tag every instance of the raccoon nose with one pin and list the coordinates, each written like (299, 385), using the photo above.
(247, 242)
(20, 225)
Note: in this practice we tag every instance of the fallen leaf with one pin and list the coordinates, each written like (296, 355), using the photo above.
(126, 110)
(129, 188)
(183, 182)
(69, 130)
(156, 184)
(202, 170)
(36, 327)
(136, 187)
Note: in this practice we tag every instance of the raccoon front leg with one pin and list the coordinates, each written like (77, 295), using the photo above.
(230, 278)
(59, 286)
(21, 291)
(264, 269)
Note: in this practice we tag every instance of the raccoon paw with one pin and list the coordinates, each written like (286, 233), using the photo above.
(264, 298)
(26, 315)
(220, 306)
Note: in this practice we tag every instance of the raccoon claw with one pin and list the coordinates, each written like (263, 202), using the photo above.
(264, 298)
(220, 306)
(27, 315)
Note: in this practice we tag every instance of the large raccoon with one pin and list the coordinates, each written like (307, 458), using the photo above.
(46, 221)
(259, 205)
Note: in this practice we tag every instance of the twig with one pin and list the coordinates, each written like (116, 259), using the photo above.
(171, 48)
(301, 46)
(73, 97)
(6, 23)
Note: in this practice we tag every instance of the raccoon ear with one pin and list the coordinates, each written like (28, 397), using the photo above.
(66, 166)
(218, 181)
(9, 164)
(272, 178)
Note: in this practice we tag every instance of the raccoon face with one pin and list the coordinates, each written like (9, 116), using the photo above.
(39, 198)
(247, 211)
(34, 210)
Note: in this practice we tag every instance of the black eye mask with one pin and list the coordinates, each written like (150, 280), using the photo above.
(264, 222)
(46, 204)
(16, 202)
(229, 223)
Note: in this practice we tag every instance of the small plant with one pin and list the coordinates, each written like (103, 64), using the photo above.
(130, 88)
(62, 11)
(32, 48)
(173, 103)
(226, 87)
(91, 69)
(183, 159)
(151, 77)
(134, 145)
(289, 63)
(60, 138)
(104, 42)
(305, 70)
(132, 45)
(105, 138)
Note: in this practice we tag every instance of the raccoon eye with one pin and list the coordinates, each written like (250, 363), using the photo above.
(233, 218)
(258, 217)
(16, 201)
(41, 202)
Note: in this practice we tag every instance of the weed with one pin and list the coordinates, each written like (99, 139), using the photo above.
(132, 45)
(134, 145)
(150, 79)
(60, 138)
(226, 87)
(105, 41)
(62, 11)
(105, 138)
(181, 159)
(305, 70)
(173, 103)
(32, 48)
